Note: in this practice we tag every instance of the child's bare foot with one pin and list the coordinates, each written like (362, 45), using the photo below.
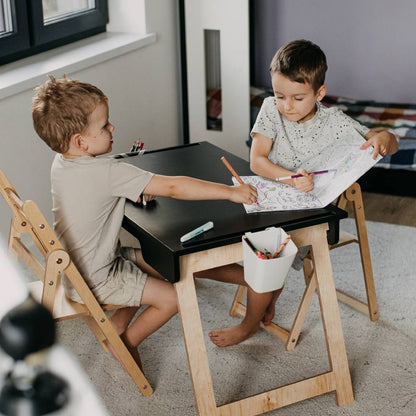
(231, 336)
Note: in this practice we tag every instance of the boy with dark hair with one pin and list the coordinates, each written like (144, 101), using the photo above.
(294, 126)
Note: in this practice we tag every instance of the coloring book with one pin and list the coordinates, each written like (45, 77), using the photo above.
(347, 158)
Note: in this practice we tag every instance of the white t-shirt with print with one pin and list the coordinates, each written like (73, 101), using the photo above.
(293, 142)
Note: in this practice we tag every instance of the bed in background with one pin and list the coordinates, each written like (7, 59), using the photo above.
(220, 103)
(394, 174)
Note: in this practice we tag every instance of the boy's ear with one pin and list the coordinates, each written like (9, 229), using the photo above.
(321, 92)
(78, 141)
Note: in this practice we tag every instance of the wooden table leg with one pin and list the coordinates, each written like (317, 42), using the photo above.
(316, 236)
(191, 320)
(338, 379)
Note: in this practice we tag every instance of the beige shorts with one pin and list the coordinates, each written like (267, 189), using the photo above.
(125, 282)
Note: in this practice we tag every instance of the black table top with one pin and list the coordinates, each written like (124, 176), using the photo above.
(160, 224)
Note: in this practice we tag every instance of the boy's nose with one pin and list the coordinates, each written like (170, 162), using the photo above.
(288, 105)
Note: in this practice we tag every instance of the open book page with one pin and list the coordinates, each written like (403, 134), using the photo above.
(347, 158)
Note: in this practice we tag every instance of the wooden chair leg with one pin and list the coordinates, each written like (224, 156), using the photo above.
(125, 356)
(237, 307)
(12, 235)
(311, 285)
(55, 263)
(354, 195)
(95, 329)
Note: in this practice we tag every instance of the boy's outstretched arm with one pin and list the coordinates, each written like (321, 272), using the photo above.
(384, 142)
(185, 187)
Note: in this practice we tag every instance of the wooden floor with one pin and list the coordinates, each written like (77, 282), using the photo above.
(390, 209)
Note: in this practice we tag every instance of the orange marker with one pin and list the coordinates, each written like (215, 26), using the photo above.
(233, 172)
(230, 168)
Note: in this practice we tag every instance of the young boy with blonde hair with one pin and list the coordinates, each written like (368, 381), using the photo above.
(294, 126)
(89, 195)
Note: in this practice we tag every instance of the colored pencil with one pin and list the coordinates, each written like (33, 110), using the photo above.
(250, 244)
(298, 175)
(282, 246)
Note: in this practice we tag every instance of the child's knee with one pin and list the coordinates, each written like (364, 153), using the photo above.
(171, 301)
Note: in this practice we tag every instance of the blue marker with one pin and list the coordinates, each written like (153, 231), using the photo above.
(197, 231)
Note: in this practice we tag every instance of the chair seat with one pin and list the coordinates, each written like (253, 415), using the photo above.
(64, 308)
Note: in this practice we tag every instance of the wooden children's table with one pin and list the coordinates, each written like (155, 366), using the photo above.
(159, 227)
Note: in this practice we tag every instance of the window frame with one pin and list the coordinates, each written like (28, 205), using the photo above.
(18, 39)
(31, 36)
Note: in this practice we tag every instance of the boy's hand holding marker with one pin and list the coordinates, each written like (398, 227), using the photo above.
(243, 194)
(303, 180)
(251, 189)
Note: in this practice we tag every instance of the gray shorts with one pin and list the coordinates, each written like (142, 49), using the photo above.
(125, 282)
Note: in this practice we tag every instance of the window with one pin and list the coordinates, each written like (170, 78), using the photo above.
(30, 27)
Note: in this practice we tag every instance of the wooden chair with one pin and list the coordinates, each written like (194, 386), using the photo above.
(48, 290)
(353, 197)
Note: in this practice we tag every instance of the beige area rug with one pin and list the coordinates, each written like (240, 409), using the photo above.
(382, 355)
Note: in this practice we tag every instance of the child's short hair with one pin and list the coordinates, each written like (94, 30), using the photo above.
(301, 61)
(60, 109)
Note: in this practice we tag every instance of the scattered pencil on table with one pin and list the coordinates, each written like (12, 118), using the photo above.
(207, 226)
(298, 175)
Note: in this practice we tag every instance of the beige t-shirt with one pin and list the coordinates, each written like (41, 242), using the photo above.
(89, 196)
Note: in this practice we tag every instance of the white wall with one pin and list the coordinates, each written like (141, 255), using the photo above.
(369, 44)
(144, 94)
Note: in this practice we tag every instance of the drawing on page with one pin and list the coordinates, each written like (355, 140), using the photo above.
(274, 196)
(347, 158)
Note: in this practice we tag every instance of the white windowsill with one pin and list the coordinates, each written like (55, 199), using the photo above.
(26, 73)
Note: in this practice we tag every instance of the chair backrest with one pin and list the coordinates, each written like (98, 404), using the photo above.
(28, 219)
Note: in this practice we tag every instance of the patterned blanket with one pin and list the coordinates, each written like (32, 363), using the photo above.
(400, 119)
